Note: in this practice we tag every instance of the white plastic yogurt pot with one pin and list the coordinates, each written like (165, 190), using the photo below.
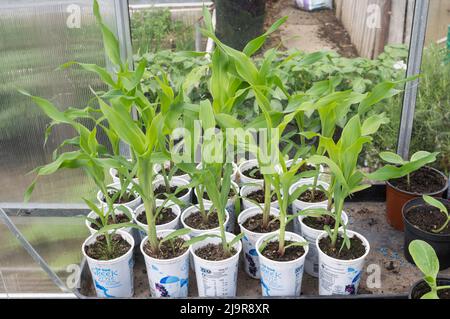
(157, 171)
(174, 224)
(244, 166)
(230, 206)
(132, 204)
(167, 277)
(278, 278)
(197, 232)
(176, 181)
(298, 205)
(112, 278)
(216, 278)
(340, 277)
(113, 174)
(251, 260)
(311, 234)
(93, 215)
(246, 203)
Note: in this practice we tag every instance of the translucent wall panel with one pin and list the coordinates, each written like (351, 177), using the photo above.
(56, 239)
(431, 130)
(36, 38)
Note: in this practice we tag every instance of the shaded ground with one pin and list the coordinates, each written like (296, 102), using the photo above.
(386, 256)
(309, 31)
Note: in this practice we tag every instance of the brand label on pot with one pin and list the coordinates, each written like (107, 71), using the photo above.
(218, 281)
(338, 280)
(285, 281)
(169, 280)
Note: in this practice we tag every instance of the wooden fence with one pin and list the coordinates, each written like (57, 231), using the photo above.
(370, 35)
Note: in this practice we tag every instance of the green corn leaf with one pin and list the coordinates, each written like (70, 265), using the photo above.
(236, 240)
(101, 72)
(254, 45)
(198, 239)
(109, 39)
(178, 233)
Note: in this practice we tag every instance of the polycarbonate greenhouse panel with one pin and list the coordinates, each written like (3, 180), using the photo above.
(36, 38)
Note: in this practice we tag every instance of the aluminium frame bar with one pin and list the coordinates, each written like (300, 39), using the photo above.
(418, 33)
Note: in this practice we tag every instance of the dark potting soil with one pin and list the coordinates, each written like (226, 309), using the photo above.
(231, 194)
(423, 181)
(165, 216)
(310, 196)
(125, 198)
(319, 223)
(258, 196)
(129, 172)
(178, 172)
(214, 252)
(428, 218)
(271, 251)
(98, 249)
(423, 288)
(255, 224)
(160, 192)
(195, 220)
(253, 172)
(357, 248)
(168, 249)
(121, 218)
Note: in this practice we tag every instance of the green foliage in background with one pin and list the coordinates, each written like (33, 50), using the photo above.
(154, 30)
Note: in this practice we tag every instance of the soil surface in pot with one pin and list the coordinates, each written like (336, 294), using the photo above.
(178, 172)
(125, 198)
(423, 288)
(357, 248)
(258, 196)
(160, 192)
(311, 196)
(195, 220)
(121, 218)
(98, 249)
(254, 173)
(319, 223)
(231, 194)
(165, 216)
(423, 181)
(428, 218)
(214, 252)
(255, 224)
(291, 253)
(167, 249)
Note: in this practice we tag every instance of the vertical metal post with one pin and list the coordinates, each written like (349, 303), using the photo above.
(122, 14)
(416, 46)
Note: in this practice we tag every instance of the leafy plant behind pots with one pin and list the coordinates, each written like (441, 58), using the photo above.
(400, 168)
(426, 260)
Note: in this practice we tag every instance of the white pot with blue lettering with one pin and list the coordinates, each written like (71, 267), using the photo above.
(281, 278)
(251, 260)
(173, 224)
(175, 181)
(216, 278)
(247, 203)
(112, 278)
(298, 205)
(340, 277)
(133, 203)
(167, 277)
(311, 234)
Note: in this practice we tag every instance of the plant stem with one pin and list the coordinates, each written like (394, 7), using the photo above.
(339, 205)
(408, 181)
(145, 176)
(267, 200)
(200, 191)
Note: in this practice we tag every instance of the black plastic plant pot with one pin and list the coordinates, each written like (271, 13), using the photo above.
(440, 242)
(421, 287)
